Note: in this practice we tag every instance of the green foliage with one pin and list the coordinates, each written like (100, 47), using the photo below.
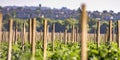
(61, 25)
(69, 22)
(70, 51)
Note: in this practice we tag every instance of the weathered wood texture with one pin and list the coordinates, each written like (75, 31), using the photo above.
(10, 40)
(84, 33)
(45, 40)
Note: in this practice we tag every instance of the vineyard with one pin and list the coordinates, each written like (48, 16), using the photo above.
(45, 45)
(62, 51)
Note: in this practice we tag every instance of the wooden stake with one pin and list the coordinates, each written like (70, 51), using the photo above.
(16, 34)
(118, 26)
(77, 34)
(6, 36)
(48, 33)
(1, 17)
(53, 36)
(65, 36)
(110, 32)
(2, 37)
(30, 31)
(13, 36)
(98, 33)
(10, 40)
(106, 35)
(113, 39)
(84, 34)
(68, 37)
(72, 36)
(61, 36)
(45, 39)
(95, 35)
(23, 38)
(33, 36)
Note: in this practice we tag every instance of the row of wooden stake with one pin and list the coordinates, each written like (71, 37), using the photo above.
(32, 35)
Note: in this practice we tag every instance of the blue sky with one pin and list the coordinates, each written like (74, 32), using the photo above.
(92, 5)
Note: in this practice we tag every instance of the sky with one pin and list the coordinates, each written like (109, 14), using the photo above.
(91, 5)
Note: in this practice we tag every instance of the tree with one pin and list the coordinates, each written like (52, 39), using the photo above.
(1, 8)
(7, 17)
(68, 23)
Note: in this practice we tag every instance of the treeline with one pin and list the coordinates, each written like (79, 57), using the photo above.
(60, 25)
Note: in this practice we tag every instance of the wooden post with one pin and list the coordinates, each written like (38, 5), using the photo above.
(53, 36)
(72, 36)
(16, 33)
(113, 39)
(10, 40)
(33, 37)
(48, 33)
(118, 36)
(23, 37)
(94, 35)
(24, 32)
(30, 31)
(110, 32)
(84, 34)
(45, 40)
(13, 36)
(60, 36)
(1, 17)
(106, 35)
(76, 34)
(65, 36)
(68, 37)
(3, 37)
(98, 33)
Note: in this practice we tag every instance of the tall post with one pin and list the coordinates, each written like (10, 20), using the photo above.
(53, 36)
(106, 35)
(5, 36)
(16, 33)
(10, 40)
(1, 17)
(113, 34)
(3, 40)
(60, 36)
(98, 33)
(30, 31)
(118, 36)
(76, 34)
(110, 32)
(23, 37)
(13, 36)
(95, 35)
(24, 32)
(84, 33)
(45, 39)
(68, 38)
(65, 36)
(33, 37)
(48, 33)
(72, 36)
